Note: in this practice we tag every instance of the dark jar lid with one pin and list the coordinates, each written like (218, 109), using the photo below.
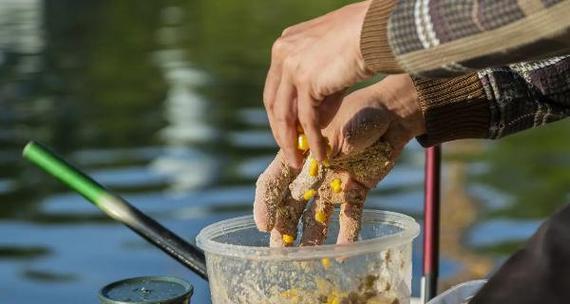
(147, 290)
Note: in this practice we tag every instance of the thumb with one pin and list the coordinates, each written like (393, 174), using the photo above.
(359, 123)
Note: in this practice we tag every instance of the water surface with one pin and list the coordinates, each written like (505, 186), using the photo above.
(161, 101)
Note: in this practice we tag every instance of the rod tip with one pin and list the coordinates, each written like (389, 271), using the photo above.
(28, 147)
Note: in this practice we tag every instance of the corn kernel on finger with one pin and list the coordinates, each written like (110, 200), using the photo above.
(271, 188)
(310, 177)
(303, 143)
(313, 167)
(336, 187)
(316, 222)
(286, 221)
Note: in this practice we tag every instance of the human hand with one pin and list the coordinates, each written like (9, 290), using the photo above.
(312, 64)
(366, 136)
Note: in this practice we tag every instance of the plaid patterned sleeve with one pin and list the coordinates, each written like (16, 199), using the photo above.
(495, 102)
(445, 38)
(527, 95)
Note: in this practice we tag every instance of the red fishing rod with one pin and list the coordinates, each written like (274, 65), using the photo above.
(431, 223)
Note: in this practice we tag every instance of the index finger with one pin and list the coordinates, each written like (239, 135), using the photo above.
(309, 119)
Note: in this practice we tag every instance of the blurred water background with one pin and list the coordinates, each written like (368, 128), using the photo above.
(161, 101)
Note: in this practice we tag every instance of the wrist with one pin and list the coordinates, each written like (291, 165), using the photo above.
(453, 108)
(399, 95)
(374, 42)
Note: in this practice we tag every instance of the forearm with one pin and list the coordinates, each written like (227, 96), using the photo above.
(495, 102)
(444, 39)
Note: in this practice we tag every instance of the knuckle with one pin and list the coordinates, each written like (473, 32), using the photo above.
(279, 48)
(287, 31)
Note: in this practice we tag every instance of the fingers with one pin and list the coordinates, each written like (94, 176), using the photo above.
(271, 188)
(362, 129)
(271, 84)
(284, 122)
(316, 218)
(316, 222)
(308, 180)
(397, 136)
(309, 119)
(350, 218)
(341, 188)
(287, 218)
(329, 108)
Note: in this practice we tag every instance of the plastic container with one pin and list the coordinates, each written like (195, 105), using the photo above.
(459, 294)
(147, 290)
(375, 269)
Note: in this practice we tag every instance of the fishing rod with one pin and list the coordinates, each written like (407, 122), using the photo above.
(118, 208)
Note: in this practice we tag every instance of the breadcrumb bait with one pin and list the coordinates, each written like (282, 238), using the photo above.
(368, 166)
(310, 177)
(270, 191)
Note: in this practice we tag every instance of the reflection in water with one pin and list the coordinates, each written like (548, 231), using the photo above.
(162, 103)
(21, 33)
(186, 113)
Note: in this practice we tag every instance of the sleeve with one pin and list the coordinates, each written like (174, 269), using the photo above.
(495, 102)
(445, 38)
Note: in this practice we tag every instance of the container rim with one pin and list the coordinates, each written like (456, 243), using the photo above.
(188, 289)
(204, 240)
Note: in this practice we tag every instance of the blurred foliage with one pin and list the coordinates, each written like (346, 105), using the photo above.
(502, 249)
(532, 167)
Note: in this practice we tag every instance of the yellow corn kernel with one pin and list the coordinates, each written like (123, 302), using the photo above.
(336, 185)
(292, 294)
(288, 239)
(326, 262)
(333, 300)
(313, 167)
(320, 217)
(303, 143)
(309, 194)
(326, 163)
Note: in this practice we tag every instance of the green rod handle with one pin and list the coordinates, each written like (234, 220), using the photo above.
(118, 208)
(63, 171)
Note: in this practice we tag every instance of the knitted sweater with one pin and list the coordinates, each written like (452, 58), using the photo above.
(483, 69)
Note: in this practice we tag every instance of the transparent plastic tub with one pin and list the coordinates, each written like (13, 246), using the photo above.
(375, 269)
(459, 294)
